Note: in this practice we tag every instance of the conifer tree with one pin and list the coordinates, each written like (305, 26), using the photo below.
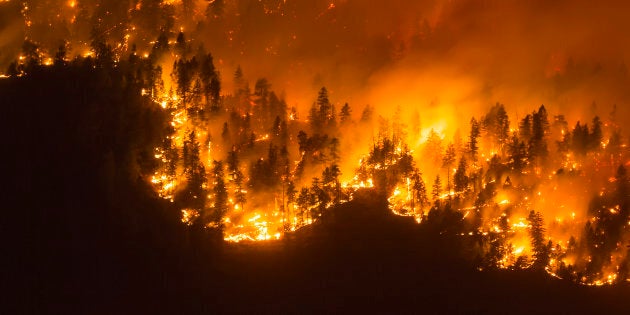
(220, 195)
(473, 138)
(537, 237)
(460, 179)
(345, 115)
(436, 189)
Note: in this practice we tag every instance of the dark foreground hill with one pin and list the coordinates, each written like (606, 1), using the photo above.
(360, 259)
(364, 259)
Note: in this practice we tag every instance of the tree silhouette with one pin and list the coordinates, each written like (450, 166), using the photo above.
(419, 191)
(448, 160)
(183, 73)
(595, 136)
(580, 139)
(460, 179)
(237, 178)
(473, 139)
(525, 128)
(538, 150)
(210, 82)
(517, 154)
(537, 237)
(291, 195)
(433, 148)
(303, 201)
(61, 55)
(497, 125)
(436, 189)
(180, 45)
(322, 112)
(345, 116)
(367, 114)
(194, 194)
(220, 195)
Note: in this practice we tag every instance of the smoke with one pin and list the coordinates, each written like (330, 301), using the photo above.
(451, 57)
(11, 32)
(563, 54)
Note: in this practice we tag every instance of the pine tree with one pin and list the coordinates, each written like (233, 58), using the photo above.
(517, 154)
(525, 128)
(172, 156)
(473, 138)
(319, 197)
(323, 104)
(436, 189)
(62, 54)
(276, 129)
(262, 90)
(419, 191)
(367, 114)
(194, 101)
(502, 125)
(460, 179)
(303, 201)
(345, 115)
(336, 172)
(284, 164)
(314, 119)
(194, 194)
(236, 177)
(180, 45)
(333, 147)
(580, 139)
(538, 144)
(321, 113)
(214, 92)
(447, 163)
(537, 237)
(225, 133)
(595, 137)
(332, 118)
(220, 196)
(433, 148)
(183, 73)
(239, 81)
(497, 125)
(291, 193)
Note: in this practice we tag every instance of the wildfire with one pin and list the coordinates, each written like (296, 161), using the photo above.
(536, 192)
(499, 210)
(532, 194)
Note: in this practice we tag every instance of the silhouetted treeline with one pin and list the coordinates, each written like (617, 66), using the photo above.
(80, 218)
